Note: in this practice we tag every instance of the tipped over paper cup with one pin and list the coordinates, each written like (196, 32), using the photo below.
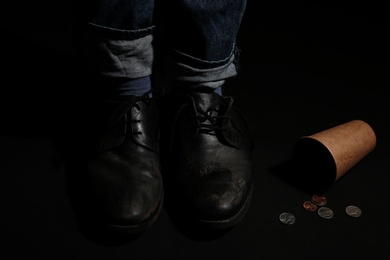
(323, 158)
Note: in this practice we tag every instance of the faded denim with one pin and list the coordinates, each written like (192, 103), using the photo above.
(196, 39)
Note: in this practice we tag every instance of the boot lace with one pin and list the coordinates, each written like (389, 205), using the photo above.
(210, 120)
(118, 119)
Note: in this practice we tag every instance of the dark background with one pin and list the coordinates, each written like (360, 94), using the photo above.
(306, 66)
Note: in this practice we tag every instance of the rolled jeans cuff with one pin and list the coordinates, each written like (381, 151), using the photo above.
(119, 53)
(200, 73)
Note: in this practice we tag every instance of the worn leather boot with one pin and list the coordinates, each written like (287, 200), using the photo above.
(124, 174)
(212, 159)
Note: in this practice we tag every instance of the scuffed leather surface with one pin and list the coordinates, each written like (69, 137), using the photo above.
(213, 156)
(124, 174)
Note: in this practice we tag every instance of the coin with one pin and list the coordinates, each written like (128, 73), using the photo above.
(353, 211)
(319, 200)
(287, 218)
(325, 212)
(309, 206)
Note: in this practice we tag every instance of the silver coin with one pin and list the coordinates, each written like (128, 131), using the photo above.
(287, 218)
(353, 211)
(325, 212)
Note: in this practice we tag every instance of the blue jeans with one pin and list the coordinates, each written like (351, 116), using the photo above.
(196, 39)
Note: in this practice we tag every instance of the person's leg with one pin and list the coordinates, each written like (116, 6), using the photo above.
(211, 142)
(123, 173)
(117, 44)
(200, 38)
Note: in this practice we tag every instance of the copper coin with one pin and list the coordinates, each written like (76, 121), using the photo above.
(325, 212)
(319, 200)
(309, 206)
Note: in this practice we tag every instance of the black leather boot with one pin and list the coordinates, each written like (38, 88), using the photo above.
(212, 159)
(124, 173)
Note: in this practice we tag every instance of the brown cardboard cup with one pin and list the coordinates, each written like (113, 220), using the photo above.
(323, 158)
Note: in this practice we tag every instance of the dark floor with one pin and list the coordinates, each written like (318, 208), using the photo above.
(305, 67)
